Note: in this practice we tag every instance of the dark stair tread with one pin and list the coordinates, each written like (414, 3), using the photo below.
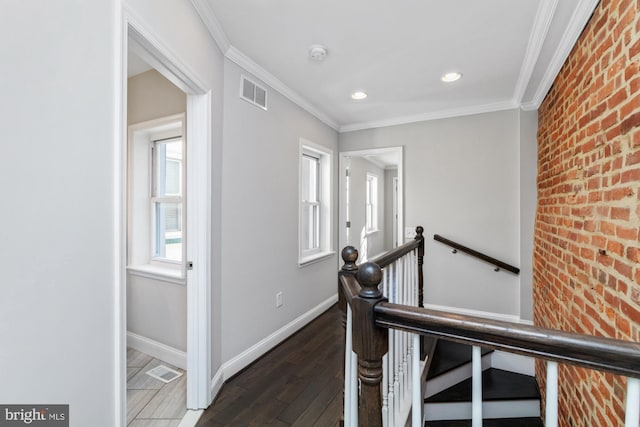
(495, 422)
(496, 385)
(450, 355)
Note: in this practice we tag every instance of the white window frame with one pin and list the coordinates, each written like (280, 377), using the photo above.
(371, 203)
(141, 259)
(324, 203)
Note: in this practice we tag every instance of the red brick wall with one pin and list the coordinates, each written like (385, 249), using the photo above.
(589, 202)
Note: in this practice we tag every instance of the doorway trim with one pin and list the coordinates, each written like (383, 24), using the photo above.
(136, 36)
(343, 215)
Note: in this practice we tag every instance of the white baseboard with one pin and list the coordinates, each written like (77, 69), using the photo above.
(244, 359)
(177, 358)
(479, 313)
(191, 418)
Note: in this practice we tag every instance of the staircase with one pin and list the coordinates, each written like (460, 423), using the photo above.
(510, 396)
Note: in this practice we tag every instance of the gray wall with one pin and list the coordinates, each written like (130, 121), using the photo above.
(156, 309)
(260, 217)
(528, 202)
(462, 180)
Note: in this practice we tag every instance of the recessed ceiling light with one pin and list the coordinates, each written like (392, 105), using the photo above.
(358, 95)
(451, 77)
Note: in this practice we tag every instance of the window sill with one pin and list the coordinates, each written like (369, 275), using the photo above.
(155, 272)
(312, 259)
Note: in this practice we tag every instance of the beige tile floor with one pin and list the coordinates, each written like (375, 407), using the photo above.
(150, 402)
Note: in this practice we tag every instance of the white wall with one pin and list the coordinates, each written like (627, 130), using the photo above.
(369, 244)
(528, 202)
(260, 217)
(462, 182)
(58, 123)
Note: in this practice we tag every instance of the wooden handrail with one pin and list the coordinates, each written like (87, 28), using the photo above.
(457, 246)
(602, 354)
(396, 253)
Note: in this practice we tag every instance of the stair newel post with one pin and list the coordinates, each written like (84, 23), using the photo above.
(349, 256)
(370, 343)
(349, 268)
(420, 238)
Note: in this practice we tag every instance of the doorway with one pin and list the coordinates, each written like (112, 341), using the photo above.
(197, 215)
(371, 205)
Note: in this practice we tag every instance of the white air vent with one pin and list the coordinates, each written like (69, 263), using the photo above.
(251, 92)
(164, 373)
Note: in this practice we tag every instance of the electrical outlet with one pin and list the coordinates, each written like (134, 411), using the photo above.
(279, 299)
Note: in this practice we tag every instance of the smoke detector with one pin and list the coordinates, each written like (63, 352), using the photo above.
(317, 52)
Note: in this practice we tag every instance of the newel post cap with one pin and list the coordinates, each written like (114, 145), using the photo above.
(369, 277)
(349, 256)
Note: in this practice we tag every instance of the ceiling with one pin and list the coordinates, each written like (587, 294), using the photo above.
(508, 51)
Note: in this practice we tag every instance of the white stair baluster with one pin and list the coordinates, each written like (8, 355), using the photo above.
(551, 401)
(416, 406)
(476, 393)
(347, 370)
(632, 417)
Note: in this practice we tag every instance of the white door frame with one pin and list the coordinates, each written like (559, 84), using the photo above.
(198, 212)
(343, 214)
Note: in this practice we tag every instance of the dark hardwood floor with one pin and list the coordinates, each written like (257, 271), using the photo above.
(298, 383)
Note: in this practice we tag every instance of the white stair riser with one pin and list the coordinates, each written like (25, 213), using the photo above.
(453, 377)
(493, 409)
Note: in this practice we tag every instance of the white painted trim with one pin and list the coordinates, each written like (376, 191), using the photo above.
(213, 25)
(156, 53)
(490, 409)
(470, 312)
(579, 19)
(512, 362)
(157, 349)
(191, 418)
(541, 24)
(198, 206)
(252, 67)
(244, 359)
(120, 215)
(435, 115)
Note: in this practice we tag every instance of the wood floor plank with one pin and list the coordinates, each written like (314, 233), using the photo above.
(169, 403)
(136, 401)
(298, 382)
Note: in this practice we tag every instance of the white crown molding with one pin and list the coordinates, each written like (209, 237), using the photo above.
(249, 65)
(541, 24)
(212, 24)
(443, 114)
(579, 20)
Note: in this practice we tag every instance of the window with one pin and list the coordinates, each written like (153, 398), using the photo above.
(156, 189)
(315, 203)
(166, 199)
(371, 201)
